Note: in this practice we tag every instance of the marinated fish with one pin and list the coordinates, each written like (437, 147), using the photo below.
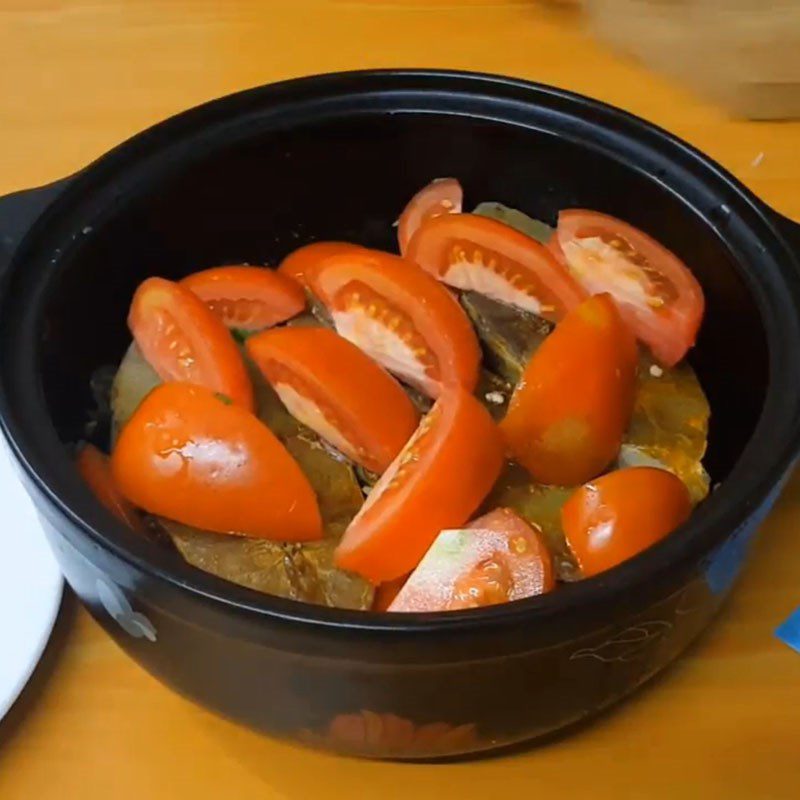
(299, 572)
(494, 393)
(669, 427)
(318, 310)
(508, 335)
(421, 402)
(305, 321)
(516, 219)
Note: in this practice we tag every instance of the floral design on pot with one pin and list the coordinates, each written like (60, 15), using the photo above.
(628, 644)
(372, 733)
(120, 610)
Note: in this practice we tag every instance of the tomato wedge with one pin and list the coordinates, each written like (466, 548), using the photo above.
(495, 559)
(656, 292)
(337, 390)
(442, 196)
(95, 468)
(438, 480)
(183, 340)
(248, 298)
(566, 418)
(188, 456)
(620, 514)
(303, 264)
(401, 317)
(480, 254)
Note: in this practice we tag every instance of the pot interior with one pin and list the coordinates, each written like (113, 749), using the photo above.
(257, 197)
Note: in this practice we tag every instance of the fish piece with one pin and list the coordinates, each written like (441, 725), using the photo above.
(303, 573)
(669, 426)
(305, 321)
(319, 310)
(494, 393)
(534, 228)
(255, 563)
(509, 336)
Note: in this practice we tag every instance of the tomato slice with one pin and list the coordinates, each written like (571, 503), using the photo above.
(566, 418)
(248, 298)
(304, 263)
(442, 196)
(401, 317)
(656, 292)
(480, 254)
(620, 514)
(438, 480)
(337, 390)
(188, 456)
(495, 559)
(183, 340)
(95, 468)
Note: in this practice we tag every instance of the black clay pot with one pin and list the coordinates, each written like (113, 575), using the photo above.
(252, 176)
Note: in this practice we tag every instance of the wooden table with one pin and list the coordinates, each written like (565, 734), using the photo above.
(76, 77)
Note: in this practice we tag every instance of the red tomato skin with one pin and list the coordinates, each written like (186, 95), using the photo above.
(372, 414)
(564, 437)
(303, 264)
(531, 277)
(437, 482)
(188, 456)
(669, 330)
(183, 340)
(497, 558)
(441, 196)
(248, 298)
(617, 516)
(427, 316)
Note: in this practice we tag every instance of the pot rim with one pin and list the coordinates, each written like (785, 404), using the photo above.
(766, 457)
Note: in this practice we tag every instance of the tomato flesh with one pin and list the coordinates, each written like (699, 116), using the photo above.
(248, 298)
(618, 515)
(330, 385)
(387, 333)
(657, 294)
(568, 414)
(183, 340)
(438, 479)
(401, 317)
(442, 196)
(475, 253)
(188, 456)
(495, 559)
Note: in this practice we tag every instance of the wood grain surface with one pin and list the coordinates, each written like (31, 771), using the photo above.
(78, 76)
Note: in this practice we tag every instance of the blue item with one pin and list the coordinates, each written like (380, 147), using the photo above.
(789, 631)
